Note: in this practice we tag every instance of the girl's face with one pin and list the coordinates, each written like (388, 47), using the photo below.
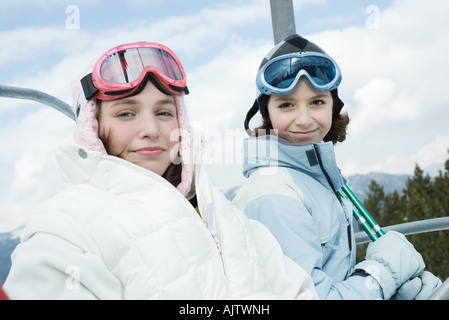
(303, 116)
(142, 129)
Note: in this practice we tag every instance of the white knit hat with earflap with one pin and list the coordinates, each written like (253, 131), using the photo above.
(86, 132)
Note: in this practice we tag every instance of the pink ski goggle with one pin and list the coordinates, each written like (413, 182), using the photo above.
(120, 71)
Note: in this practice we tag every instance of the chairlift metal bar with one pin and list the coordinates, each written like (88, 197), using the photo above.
(442, 293)
(283, 19)
(38, 96)
(415, 227)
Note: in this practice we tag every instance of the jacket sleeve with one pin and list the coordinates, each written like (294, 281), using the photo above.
(287, 278)
(294, 228)
(48, 267)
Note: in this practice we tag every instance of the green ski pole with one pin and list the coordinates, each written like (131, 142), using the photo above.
(361, 220)
(367, 222)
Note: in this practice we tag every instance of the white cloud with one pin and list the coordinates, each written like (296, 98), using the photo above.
(434, 153)
(224, 89)
(379, 101)
(28, 43)
(394, 86)
(34, 176)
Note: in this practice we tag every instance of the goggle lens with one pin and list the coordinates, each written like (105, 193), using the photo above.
(282, 73)
(127, 65)
(120, 71)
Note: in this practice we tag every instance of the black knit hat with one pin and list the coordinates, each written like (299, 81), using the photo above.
(291, 44)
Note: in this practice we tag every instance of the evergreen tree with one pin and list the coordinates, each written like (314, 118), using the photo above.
(375, 201)
(422, 198)
(428, 199)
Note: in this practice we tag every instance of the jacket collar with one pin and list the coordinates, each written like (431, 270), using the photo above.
(316, 160)
(81, 166)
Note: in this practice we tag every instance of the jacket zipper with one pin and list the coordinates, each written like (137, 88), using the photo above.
(211, 226)
(320, 162)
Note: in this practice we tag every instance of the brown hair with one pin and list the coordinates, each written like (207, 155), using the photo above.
(337, 132)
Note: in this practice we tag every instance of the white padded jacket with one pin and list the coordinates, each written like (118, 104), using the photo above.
(119, 231)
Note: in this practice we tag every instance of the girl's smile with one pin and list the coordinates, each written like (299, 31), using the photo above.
(151, 152)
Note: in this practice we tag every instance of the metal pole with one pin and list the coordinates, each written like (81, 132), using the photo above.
(283, 19)
(442, 293)
(39, 96)
(415, 227)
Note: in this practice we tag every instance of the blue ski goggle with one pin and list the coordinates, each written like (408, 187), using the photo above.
(280, 75)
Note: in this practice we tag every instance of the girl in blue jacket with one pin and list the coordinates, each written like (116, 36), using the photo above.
(293, 182)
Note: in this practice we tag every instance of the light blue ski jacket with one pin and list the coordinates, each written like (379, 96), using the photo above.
(292, 190)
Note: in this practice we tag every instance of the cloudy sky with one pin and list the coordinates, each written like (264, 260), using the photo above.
(392, 54)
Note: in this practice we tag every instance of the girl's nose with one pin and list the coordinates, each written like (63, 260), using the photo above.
(149, 127)
(303, 117)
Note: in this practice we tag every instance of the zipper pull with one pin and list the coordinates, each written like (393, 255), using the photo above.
(211, 225)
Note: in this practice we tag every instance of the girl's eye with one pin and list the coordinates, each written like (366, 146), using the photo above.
(285, 105)
(125, 114)
(164, 114)
(318, 102)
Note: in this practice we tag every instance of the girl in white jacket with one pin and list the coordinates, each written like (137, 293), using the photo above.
(139, 218)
